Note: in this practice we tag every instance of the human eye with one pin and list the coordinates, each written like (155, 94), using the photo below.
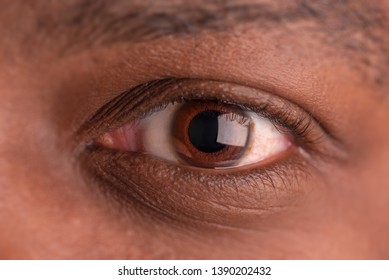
(213, 143)
(203, 134)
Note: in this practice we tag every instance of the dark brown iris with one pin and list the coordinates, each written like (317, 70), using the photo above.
(201, 134)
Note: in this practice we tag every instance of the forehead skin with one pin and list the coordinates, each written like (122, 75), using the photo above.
(62, 61)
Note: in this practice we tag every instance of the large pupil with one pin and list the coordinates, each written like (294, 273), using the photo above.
(203, 131)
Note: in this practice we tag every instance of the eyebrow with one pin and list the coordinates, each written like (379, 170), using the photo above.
(352, 27)
(94, 22)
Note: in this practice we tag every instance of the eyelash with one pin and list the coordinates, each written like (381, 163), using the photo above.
(118, 173)
(299, 124)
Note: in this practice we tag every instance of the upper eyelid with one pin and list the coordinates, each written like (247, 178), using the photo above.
(142, 99)
(131, 98)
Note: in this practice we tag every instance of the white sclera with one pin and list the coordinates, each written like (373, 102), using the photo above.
(157, 133)
(264, 140)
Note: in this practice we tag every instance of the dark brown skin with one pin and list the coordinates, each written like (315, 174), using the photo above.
(62, 62)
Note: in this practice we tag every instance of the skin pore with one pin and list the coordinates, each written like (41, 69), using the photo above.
(63, 66)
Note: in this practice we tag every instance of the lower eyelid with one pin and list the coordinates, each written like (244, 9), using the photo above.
(186, 195)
